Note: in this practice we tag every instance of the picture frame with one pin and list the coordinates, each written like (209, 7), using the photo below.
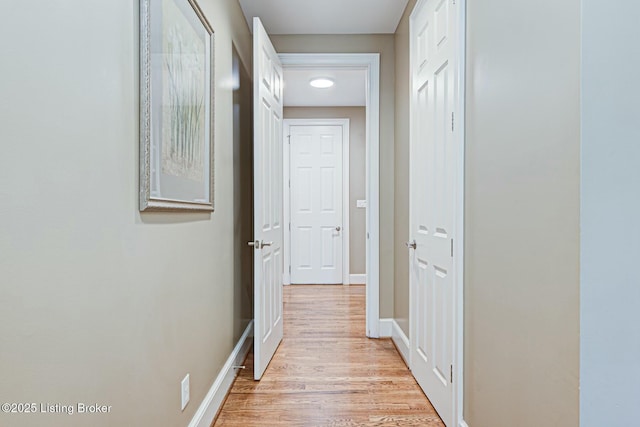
(176, 107)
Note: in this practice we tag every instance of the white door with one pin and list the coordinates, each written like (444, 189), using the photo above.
(316, 204)
(432, 200)
(268, 230)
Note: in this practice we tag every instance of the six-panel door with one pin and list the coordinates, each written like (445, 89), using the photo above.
(268, 213)
(316, 204)
(432, 200)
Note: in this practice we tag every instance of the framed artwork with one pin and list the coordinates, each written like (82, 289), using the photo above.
(176, 107)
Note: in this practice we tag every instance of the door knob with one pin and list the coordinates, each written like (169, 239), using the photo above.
(257, 244)
(412, 245)
(338, 228)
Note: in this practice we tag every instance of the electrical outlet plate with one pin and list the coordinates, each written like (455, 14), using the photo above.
(184, 387)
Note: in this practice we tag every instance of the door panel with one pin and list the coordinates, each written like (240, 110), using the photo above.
(316, 204)
(432, 200)
(268, 230)
(327, 184)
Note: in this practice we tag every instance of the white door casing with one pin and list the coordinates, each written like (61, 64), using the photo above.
(316, 204)
(268, 212)
(370, 62)
(433, 200)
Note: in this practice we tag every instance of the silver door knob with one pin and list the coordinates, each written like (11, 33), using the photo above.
(255, 244)
(338, 228)
(263, 244)
(412, 245)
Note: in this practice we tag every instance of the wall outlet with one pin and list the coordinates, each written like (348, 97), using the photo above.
(361, 203)
(184, 387)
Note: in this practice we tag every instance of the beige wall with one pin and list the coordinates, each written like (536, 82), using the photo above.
(383, 44)
(401, 213)
(522, 213)
(357, 172)
(99, 302)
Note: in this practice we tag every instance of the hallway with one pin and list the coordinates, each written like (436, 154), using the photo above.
(326, 372)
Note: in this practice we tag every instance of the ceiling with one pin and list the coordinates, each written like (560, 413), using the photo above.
(348, 91)
(325, 16)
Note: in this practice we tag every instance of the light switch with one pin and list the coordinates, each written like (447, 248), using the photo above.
(361, 204)
(185, 391)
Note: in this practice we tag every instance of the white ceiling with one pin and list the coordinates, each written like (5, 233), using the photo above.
(348, 91)
(325, 16)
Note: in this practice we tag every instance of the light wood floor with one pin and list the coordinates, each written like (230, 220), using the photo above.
(326, 372)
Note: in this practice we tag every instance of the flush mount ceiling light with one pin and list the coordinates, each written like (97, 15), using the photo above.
(321, 82)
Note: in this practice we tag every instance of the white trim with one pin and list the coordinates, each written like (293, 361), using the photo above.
(358, 279)
(458, 260)
(286, 202)
(346, 209)
(402, 343)
(370, 62)
(214, 399)
(346, 230)
(386, 328)
(463, 424)
(458, 290)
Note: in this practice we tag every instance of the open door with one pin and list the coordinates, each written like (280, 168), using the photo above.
(268, 217)
(433, 170)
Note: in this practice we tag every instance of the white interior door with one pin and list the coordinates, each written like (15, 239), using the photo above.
(432, 200)
(316, 204)
(268, 230)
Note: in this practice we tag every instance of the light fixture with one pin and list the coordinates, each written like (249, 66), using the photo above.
(321, 82)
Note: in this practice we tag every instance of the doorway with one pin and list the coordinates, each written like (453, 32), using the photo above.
(370, 64)
(269, 187)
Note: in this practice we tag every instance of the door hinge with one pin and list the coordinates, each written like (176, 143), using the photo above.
(452, 119)
(451, 248)
(289, 136)
(289, 269)
(451, 374)
(289, 226)
(289, 183)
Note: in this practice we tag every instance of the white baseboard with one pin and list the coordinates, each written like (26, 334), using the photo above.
(385, 328)
(212, 402)
(463, 424)
(401, 341)
(357, 279)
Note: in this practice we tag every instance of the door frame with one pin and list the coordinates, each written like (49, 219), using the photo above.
(459, 221)
(458, 293)
(370, 62)
(344, 124)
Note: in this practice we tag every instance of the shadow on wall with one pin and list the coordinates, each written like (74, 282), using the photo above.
(242, 195)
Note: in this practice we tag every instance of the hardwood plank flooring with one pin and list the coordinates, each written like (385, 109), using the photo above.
(326, 372)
